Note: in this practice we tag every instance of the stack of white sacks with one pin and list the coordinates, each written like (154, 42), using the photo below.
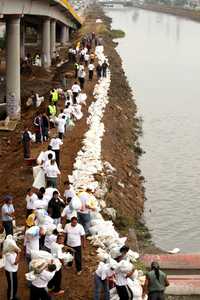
(88, 162)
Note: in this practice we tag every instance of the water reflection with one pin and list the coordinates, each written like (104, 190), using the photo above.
(164, 73)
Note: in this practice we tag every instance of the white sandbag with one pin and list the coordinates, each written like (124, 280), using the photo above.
(10, 245)
(30, 276)
(115, 252)
(49, 192)
(32, 231)
(76, 203)
(125, 266)
(136, 288)
(36, 170)
(95, 215)
(41, 255)
(39, 180)
(133, 256)
(40, 158)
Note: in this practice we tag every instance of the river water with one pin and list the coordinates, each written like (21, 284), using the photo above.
(161, 57)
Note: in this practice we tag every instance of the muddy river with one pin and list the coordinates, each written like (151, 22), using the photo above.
(161, 58)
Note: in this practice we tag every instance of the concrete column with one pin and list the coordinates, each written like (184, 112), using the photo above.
(64, 35)
(22, 41)
(53, 37)
(13, 97)
(46, 58)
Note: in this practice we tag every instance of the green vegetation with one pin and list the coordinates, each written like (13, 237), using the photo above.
(2, 43)
(117, 34)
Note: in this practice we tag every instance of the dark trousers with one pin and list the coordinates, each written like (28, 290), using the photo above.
(74, 97)
(8, 226)
(77, 258)
(156, 296)
(55, 283)
(38, 293)
(57, 153)
(38, 137)
(12, 285)
(104, 72)
(60, 135)
(27, 152)
(91, 75)
(124, 292)
(85, 221)
(45, 133)
(81, 81)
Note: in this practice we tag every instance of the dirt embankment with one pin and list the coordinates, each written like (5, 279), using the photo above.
(177, 11)
(120, 148)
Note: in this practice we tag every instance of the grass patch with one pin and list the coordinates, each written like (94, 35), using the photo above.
(117, 33)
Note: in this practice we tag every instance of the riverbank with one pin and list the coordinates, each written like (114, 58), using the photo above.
(120, 148)
(176, 11)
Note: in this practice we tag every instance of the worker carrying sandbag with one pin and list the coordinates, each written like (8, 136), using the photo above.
(11, 256)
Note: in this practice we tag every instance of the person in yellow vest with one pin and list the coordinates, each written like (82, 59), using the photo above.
(54, 96)
(52, 110)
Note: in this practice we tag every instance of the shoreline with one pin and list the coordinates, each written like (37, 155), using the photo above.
(174, 11)
(126, 191)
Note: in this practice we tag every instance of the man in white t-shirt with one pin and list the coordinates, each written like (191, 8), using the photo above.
(75, 90)
(11, 261)
(30, 200)
(39, 285)
(55, 144)
(61, 122)
(68, 212)
(75, 237)
(91, 70)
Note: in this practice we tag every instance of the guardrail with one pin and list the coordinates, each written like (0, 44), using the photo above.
(70, 9)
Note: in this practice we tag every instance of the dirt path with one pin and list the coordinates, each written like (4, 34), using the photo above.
(119, 147)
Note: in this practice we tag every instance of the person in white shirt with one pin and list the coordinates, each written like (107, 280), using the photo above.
(68, 212)
(46, 153)
(69, 190)
(49, 239)
(11, 262)
(56, 250)
(38, 290)
(84, 213)
(55, 144)
(75, 237)
(91, 70)
(86, 58)
(32, 238)
(30, 200)
(67, 110)
(7, 214)
(102, 275)
(81, 76)
(52, 174)
(75, 90)
(61, 122)
(123, 290)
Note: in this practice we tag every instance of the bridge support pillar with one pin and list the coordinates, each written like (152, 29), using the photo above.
(64, 35)
(53, 37)
(13, 97)
(46, 58)
(22, 41)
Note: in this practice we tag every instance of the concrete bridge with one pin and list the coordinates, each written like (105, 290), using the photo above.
(43, 13)
(116, 2)
(183, 273)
